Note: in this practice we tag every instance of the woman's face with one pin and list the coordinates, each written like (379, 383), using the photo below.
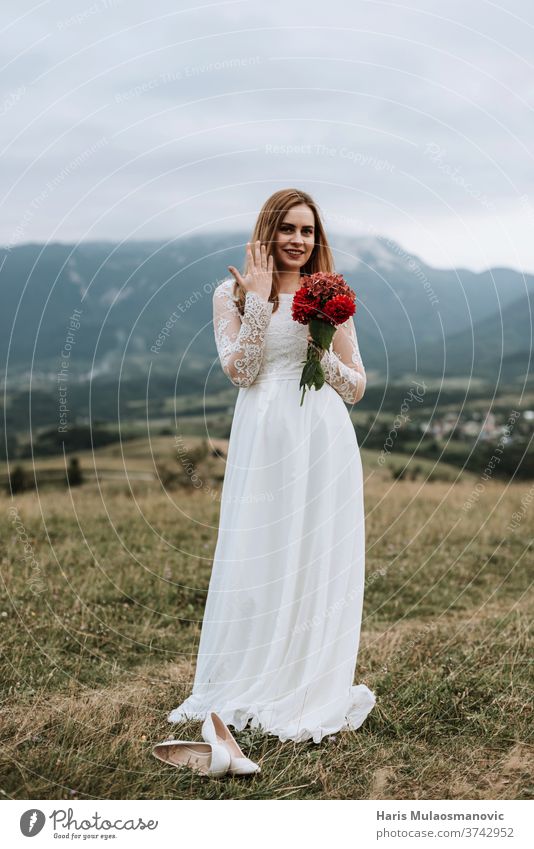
(295, 239)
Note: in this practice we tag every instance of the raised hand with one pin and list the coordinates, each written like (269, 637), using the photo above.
(258, 276)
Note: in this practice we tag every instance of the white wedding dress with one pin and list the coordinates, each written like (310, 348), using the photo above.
(281, 628)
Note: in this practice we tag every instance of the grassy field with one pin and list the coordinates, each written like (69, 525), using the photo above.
(104, 587)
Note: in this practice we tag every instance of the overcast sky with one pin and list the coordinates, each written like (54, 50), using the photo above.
(127, 120)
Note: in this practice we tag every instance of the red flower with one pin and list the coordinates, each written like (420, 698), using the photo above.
(338, 309)
(305, 306)
(325, 285)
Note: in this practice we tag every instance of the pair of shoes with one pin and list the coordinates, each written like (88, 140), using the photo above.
(218, 755)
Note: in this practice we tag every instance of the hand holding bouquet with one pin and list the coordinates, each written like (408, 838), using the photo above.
(323, 302)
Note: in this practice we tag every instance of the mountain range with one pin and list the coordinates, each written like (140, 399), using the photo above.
(413, 320)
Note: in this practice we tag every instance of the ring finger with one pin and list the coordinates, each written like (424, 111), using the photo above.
(257, 253)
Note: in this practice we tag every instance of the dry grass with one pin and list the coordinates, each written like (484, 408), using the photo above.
(92, 664)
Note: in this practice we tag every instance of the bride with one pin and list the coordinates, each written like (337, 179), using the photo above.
(281, 627)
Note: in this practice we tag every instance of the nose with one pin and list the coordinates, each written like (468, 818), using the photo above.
(297, 239)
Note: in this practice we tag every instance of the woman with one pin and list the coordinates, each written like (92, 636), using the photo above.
(281, 627)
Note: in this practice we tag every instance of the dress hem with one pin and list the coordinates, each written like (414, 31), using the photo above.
(361, 702)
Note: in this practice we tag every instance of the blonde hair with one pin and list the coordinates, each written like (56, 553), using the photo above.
(269, 219)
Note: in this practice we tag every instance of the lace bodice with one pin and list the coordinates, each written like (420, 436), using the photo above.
(261, 345)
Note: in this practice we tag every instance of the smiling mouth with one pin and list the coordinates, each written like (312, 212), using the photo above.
(293, 253)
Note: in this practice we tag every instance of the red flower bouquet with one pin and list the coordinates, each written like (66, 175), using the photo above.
(323, 302)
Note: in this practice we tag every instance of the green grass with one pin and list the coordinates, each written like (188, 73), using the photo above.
(92, 664)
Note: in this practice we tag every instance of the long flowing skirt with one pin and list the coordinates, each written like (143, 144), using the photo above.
(281, 628)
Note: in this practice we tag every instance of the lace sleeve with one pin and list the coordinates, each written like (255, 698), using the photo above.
(343, 366)
(240, 338)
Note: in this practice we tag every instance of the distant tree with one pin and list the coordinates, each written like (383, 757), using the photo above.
(169, 477)
(77, 438)
(17, 480)
(74, 472)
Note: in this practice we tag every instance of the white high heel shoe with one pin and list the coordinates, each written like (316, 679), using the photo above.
(207, 759)
(216, 732)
